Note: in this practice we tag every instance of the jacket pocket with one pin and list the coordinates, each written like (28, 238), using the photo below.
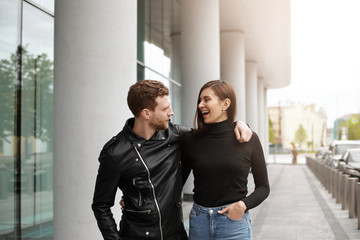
(140, 197)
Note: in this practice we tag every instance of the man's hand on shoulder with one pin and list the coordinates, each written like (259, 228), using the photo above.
(243, 132)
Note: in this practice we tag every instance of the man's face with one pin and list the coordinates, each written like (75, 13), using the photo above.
(161, 115)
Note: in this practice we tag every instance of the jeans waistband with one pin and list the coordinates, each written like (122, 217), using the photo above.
(210, 210)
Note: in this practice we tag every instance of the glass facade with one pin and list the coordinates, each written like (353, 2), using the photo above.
(26, 103)
(157, 20)
(26, 123)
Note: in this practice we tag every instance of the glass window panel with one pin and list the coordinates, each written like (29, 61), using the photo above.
(37, 123)
(9, 11)
(157, 20)
(48, 4)
(153, 35)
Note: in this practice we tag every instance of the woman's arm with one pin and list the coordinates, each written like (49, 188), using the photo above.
(259, 172)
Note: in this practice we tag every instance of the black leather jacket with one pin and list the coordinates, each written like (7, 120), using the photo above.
(148, 172)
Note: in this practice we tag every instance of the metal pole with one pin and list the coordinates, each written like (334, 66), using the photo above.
(328, 178)
(352, 197)
(358, 204)
(338, 187)
(333, 184)
(344, 204)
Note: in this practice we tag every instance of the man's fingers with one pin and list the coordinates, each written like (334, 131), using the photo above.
(238, 136)
(246, 136)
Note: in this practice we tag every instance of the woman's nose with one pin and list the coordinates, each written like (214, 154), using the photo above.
(201, 104)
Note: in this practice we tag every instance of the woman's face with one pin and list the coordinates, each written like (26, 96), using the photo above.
(211, 107)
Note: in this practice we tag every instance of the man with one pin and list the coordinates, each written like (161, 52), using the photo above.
(143, 160)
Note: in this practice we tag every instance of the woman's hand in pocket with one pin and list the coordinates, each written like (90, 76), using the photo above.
(235, 211)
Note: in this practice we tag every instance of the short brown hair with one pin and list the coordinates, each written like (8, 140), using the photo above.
(223, 90)
(143, 94)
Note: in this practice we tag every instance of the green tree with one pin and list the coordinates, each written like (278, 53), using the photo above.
(271, 132)
(353, 127)
(8, 78)
(36, 98)
(300, 135)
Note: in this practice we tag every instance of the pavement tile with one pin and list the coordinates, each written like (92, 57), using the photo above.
(298, 207)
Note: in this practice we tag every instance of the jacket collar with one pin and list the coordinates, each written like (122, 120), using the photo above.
(159, 135)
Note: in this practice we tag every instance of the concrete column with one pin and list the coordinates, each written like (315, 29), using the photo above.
(252, 95)
(175, 57)
(200, 57)
(95, 63)
(267, 141)
(232, 55)
(261, 111)
(200, 51)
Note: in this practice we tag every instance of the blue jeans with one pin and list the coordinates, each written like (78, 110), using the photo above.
(208, 224)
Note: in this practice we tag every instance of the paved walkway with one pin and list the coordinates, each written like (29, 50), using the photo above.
(298, 207)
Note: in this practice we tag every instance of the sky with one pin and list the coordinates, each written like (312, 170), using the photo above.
(325, 57)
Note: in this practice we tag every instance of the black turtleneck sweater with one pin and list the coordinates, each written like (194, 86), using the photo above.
(221, 167)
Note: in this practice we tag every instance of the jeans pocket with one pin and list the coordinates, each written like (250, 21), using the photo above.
(193, 213)
(235, 220)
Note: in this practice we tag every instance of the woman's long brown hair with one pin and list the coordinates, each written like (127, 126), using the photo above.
(223, 90)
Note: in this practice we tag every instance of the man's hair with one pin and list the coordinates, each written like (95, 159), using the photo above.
(142, 95)
(223, 90)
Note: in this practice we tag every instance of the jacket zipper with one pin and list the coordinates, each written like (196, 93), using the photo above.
(140, 196)
(145, 211)
(153, 188)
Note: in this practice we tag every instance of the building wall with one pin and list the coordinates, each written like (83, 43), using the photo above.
(287, 119)
(65, 94)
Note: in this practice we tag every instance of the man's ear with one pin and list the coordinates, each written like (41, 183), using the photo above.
(227, 103)
(146, 114)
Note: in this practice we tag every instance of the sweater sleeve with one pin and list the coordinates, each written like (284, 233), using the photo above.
(258, 169)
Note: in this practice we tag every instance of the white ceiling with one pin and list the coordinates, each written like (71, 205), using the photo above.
(266, 25)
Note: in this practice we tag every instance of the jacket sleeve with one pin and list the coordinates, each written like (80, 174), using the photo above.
(185, 162)
(104, 196)
(259, 171)
(182, 131)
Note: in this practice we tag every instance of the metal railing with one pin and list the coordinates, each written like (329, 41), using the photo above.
(342, 187)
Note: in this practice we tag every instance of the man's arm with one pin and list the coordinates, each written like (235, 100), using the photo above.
(104, 196)
(242, 131)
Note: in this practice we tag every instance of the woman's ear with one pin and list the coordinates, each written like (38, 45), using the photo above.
(227, 104)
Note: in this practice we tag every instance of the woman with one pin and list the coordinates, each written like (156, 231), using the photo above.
(221, 166)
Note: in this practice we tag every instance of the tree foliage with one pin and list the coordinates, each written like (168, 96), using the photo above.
(352, 127)
(36, 96)
(300, 135)
(271, 132)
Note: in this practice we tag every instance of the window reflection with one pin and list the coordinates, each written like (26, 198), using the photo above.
(157, 20)
(36, 144)
(47, 4)
(8, 45)
(37, 118)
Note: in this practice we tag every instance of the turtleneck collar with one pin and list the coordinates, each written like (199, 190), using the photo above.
(220, 127)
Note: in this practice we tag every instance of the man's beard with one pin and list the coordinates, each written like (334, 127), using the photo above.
(159, 126)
